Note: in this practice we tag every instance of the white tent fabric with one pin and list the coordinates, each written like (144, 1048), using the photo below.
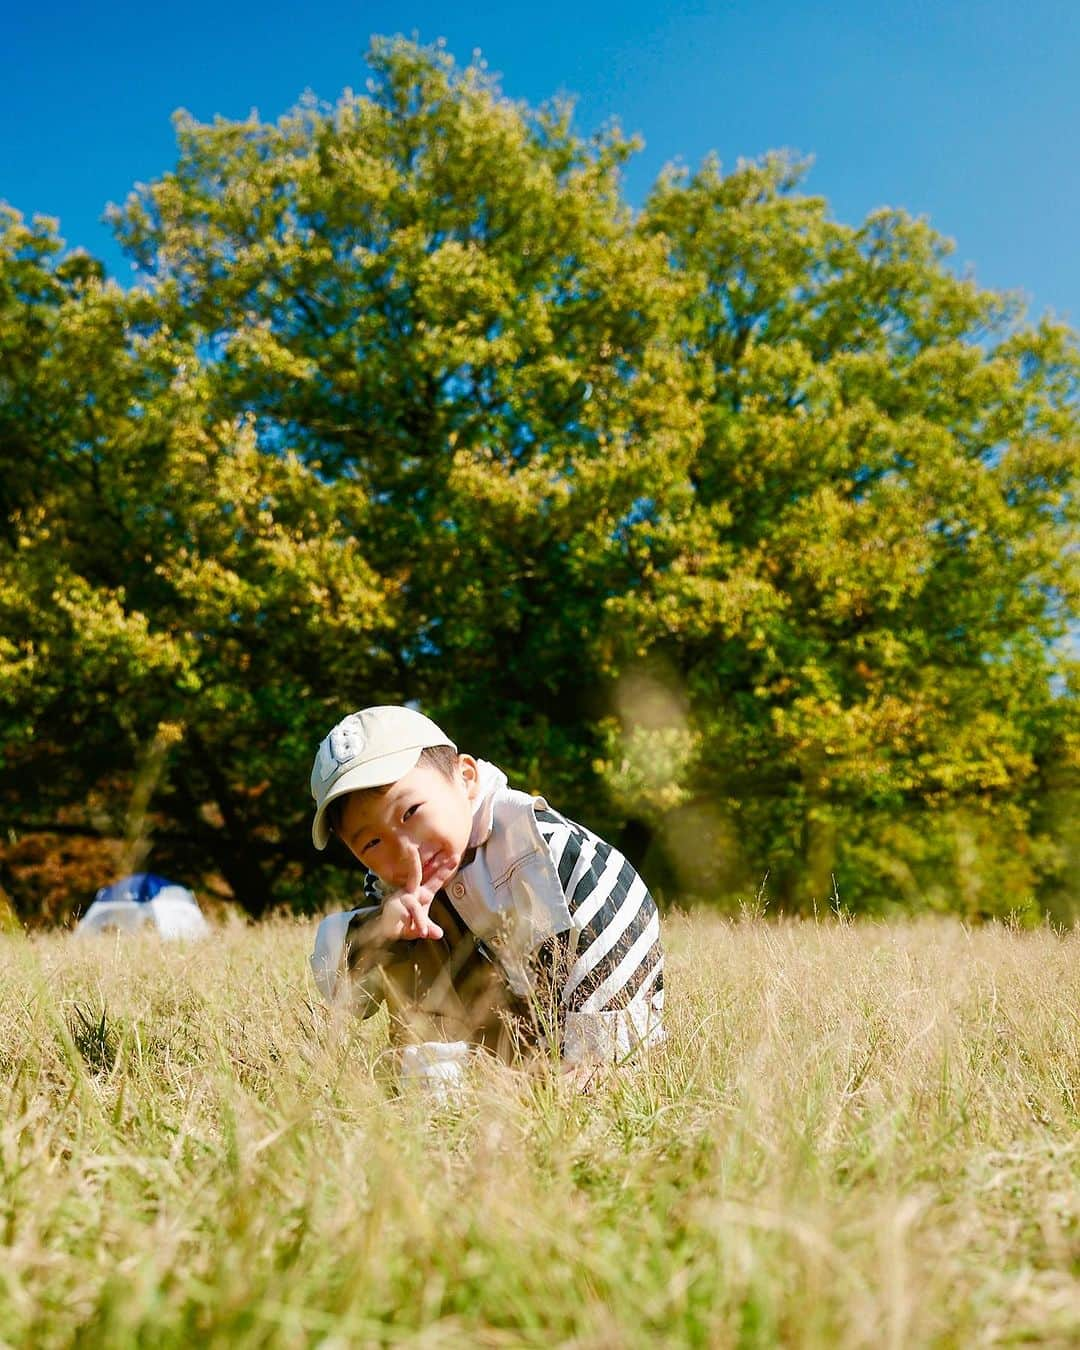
(141, 900)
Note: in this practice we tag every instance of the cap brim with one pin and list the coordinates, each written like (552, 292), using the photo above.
(375, 773)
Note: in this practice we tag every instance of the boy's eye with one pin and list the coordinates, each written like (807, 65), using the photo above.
(370, 845)
(411, 811)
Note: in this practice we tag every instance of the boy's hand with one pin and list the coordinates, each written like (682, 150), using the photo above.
(405, 913)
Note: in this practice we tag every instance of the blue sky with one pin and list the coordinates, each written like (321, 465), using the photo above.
(966, 111)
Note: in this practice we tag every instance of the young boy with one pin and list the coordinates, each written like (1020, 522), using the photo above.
(499, 922)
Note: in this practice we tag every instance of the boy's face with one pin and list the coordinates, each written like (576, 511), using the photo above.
(424, 816)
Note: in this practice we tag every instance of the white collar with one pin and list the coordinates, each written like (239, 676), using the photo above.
(492, 781)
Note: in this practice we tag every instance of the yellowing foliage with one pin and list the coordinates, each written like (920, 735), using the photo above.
(409, 404)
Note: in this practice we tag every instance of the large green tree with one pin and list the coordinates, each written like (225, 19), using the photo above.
(746, 534)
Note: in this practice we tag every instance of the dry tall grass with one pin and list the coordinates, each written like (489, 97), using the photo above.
(855, 1136)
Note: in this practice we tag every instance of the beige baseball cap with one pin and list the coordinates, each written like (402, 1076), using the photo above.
(368, 749)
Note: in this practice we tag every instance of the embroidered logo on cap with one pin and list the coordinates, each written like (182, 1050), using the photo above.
(344, 744)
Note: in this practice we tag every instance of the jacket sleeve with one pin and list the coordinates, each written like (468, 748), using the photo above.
(610, 964)
(341, 974)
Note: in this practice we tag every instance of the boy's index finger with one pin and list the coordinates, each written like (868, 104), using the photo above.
(416, 871)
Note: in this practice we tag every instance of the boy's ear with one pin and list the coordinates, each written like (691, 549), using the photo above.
(470, 772)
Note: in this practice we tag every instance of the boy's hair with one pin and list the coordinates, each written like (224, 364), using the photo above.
(444, 758)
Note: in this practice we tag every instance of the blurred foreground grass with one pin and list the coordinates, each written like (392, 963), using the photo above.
(855, 1136)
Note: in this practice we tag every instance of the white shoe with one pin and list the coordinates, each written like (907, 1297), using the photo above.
(435, 1067)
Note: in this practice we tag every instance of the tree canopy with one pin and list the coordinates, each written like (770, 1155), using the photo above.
(746, 535)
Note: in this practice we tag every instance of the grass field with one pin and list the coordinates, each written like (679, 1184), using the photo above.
(854, 1136)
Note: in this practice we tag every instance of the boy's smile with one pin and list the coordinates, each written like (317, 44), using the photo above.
(424, 815)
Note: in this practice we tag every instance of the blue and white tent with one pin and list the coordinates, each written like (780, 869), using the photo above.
(144, 899)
